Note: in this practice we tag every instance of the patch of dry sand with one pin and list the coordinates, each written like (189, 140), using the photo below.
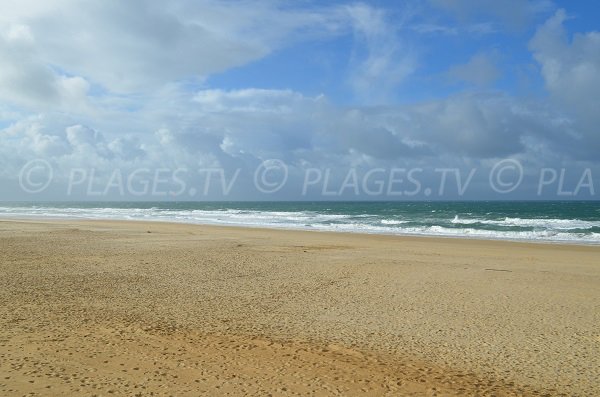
(116, 308)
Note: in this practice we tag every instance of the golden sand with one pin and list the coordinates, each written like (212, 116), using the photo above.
(135, 308)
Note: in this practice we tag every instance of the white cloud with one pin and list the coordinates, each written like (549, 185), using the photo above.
(81, 136)
(281, 123)
(27, 81)
(381, 60)
(241, 128)
(571, 72)
(137, 46)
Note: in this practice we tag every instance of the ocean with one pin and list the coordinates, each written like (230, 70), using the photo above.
(549, 221)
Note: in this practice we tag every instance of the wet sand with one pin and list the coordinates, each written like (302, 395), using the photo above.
(134, 308)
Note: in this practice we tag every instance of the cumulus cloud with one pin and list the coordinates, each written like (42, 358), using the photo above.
(570, 68)
(286, 124)
(238, 129)
(273, 123)
(134, 46)
(25, 80)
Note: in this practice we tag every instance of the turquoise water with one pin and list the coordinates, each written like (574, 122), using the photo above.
(553, 221)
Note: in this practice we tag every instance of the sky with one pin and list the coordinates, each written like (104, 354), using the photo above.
(299, 100)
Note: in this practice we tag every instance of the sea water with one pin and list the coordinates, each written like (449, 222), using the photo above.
(551, 221)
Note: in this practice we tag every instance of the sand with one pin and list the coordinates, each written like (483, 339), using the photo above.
(136, 308)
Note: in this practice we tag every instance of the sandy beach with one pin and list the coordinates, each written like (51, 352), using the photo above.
(137, 308)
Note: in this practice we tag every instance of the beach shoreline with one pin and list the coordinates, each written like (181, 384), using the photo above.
(551, 222)
(50, 219)
(416, 314)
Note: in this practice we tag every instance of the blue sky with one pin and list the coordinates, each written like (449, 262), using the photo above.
(439, 40)
(328, 85)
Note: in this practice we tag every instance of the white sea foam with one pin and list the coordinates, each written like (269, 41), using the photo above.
(393, 222)
(549, 223)
(552, 230)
